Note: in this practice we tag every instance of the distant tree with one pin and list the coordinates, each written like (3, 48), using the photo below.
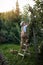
(0, 24)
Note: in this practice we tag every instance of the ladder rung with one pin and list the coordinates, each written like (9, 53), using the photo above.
(20, 54)
(25, 45)
(24, 50)
(28, 53)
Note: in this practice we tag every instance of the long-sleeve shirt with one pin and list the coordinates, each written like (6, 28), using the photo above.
(24, 28)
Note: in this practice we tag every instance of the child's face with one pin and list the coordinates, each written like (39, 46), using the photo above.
(24, 23)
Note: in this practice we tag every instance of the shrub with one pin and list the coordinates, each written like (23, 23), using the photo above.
(3, 61)
(39, 60)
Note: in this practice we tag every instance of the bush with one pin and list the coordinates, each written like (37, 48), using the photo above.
(39, 60)
(3, 61)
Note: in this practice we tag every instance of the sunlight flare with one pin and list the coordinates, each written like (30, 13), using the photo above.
(7, 5)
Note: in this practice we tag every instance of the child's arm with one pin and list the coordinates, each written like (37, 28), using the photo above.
(28, 24)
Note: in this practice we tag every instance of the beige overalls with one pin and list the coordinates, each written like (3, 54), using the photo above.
(24, 37)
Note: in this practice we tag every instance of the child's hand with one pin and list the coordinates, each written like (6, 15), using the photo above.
(28, 24)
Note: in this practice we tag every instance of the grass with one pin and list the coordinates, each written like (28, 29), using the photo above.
(12, 58)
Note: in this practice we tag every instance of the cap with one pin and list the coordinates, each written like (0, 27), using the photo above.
(21, 23)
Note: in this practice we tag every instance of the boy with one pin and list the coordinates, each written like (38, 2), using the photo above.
(24, 36)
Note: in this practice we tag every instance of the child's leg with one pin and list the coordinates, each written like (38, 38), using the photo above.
(21, 43)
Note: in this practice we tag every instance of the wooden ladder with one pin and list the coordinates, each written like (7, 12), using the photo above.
(24, 51)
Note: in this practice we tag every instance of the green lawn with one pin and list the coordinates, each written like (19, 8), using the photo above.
(12, 58)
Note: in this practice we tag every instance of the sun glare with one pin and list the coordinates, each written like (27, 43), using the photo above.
(7, 5)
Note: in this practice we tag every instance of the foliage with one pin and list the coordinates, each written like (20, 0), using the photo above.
(3, 61)
(9, 25)
(35, 34)
(39, 60)
(25, 15)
